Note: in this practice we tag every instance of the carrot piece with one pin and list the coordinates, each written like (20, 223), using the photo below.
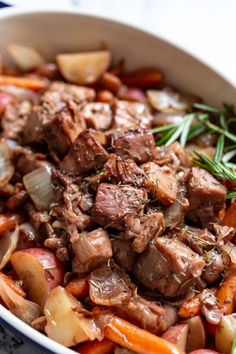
(230, 216)
(78, 287)
(106, 346)
(26, 82)
(8, 222)
(13, 285)
(139, 340)
(190, 308)
(142, 78)
(226, 294)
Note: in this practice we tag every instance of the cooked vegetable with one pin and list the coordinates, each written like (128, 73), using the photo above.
(178, 335)
(13, 285)
(6, 165)
(134, 338)
(229, 218)
(142, 78)
(65, 323)
(25, 82)
(40, 271)
(8, 222)
(197, 334)
(26, 58)
(84, 68)
(8, 243)
(38, 185)
(78, 287)
(226, 294)
(169, 101)
(105, 346)
(190, 308)
(26, 310)
(225, 334)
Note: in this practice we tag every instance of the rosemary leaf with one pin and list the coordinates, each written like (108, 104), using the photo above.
(231, 195)
(219, 130)
(219, 148)
(206, 108)
(196, 130)
(228, 156)
(217, 168)
(163, 128)
(186, 129)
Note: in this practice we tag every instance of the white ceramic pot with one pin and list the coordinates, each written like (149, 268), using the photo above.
(67, 31)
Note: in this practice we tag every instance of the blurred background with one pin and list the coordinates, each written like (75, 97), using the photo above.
(205, 28)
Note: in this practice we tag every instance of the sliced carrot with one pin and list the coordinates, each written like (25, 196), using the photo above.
(226, 294)
(134, 338)
(26, 82)
(78, 287)
(8, 222)
(190, 308)
(13, 285)
(142, 78)
(106, 346)
(230, 216)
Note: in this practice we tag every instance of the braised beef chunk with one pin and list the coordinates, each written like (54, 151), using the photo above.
(85, 154)
(134, 144)
(124, 171)
(91, 249)
(216, 263)
(131, 115)
(173, 156)
(206, 197)
(97, 115)
(58, 96)
(198, 240)
(168, 266)
(61, 131)
(109, 286)
(123, 253)
(142, 229)
(114, 202)
(161, 183)
(148, 314)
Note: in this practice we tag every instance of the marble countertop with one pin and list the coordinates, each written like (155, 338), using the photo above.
(204, 27)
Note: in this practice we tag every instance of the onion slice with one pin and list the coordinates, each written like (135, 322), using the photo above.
(8, 244)
(26, 310)
(6, 165)
(38, 185)
(66, 323)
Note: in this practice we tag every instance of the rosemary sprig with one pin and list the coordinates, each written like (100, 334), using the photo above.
(174, 132)
(217, 168)
(231, 195)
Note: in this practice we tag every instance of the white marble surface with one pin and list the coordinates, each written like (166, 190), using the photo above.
(206, 28)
